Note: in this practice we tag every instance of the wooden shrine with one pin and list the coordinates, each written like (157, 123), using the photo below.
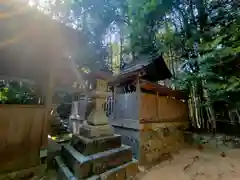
(150, 117)
(35, 48)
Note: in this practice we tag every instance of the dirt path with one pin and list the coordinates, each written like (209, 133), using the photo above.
(195, 165)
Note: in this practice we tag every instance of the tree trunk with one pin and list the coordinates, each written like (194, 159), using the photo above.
(121, 48)
(171, 60)
(210, 110)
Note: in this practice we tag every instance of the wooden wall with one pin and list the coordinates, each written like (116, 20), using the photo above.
(21, 136)
(127, 106)
(156, 108)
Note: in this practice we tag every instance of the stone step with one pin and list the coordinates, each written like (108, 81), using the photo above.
(63, 173)
(89, 146)
(123, 172)
(87, 166)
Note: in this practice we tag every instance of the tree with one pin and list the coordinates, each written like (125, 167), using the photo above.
(92, 19)
(214, 29)
(199, 37)
(144, 19)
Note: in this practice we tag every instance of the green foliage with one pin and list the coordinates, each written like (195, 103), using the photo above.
(201, 35)
(3, 94)
(144, 20)
(17, 93)
(215, 29)
(220, 54)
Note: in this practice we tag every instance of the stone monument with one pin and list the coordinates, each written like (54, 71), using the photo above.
(96, 152)
(74, 119)
(77, 116)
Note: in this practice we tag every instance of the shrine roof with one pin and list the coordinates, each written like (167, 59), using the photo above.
(149, 68)
(94, 74)
(163, 90)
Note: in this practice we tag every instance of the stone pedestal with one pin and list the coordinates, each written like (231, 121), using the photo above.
(91, 131)
(94, 151)
(87, 166)
(89, 146)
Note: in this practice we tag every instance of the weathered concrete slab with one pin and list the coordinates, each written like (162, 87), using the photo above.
(88, 146)
(87, 166)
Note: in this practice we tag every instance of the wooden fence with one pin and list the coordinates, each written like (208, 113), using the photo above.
(151, 108)
(21, 136)
(156, 108)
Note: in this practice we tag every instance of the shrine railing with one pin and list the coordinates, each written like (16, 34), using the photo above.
(126, 106)
(109, 105)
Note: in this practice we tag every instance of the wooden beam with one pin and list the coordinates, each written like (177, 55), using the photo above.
(49, 91)
(114, 102)
(157, 105)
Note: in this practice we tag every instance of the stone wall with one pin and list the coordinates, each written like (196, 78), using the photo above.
(130, 137)
(159, 140)
(207, 140)
(152, 142)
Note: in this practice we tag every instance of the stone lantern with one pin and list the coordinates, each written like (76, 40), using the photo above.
(96, 152)
(97, 122)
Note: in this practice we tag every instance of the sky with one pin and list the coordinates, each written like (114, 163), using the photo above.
(112, 35)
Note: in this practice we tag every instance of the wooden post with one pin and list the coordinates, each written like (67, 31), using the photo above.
(48, 104)
(49, 91)
(138, 90)
(157, 107)
(114, 101)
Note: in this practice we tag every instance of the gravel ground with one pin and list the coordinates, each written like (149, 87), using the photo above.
(189, 164)
(192, 164)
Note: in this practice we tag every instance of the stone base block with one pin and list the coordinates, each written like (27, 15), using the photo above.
(87, 166)
(97, 117)
(90, 131)
(63, 173)
(87, 146)
(130, 137)
(123, 172)
(54, 149)
(75, 125)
